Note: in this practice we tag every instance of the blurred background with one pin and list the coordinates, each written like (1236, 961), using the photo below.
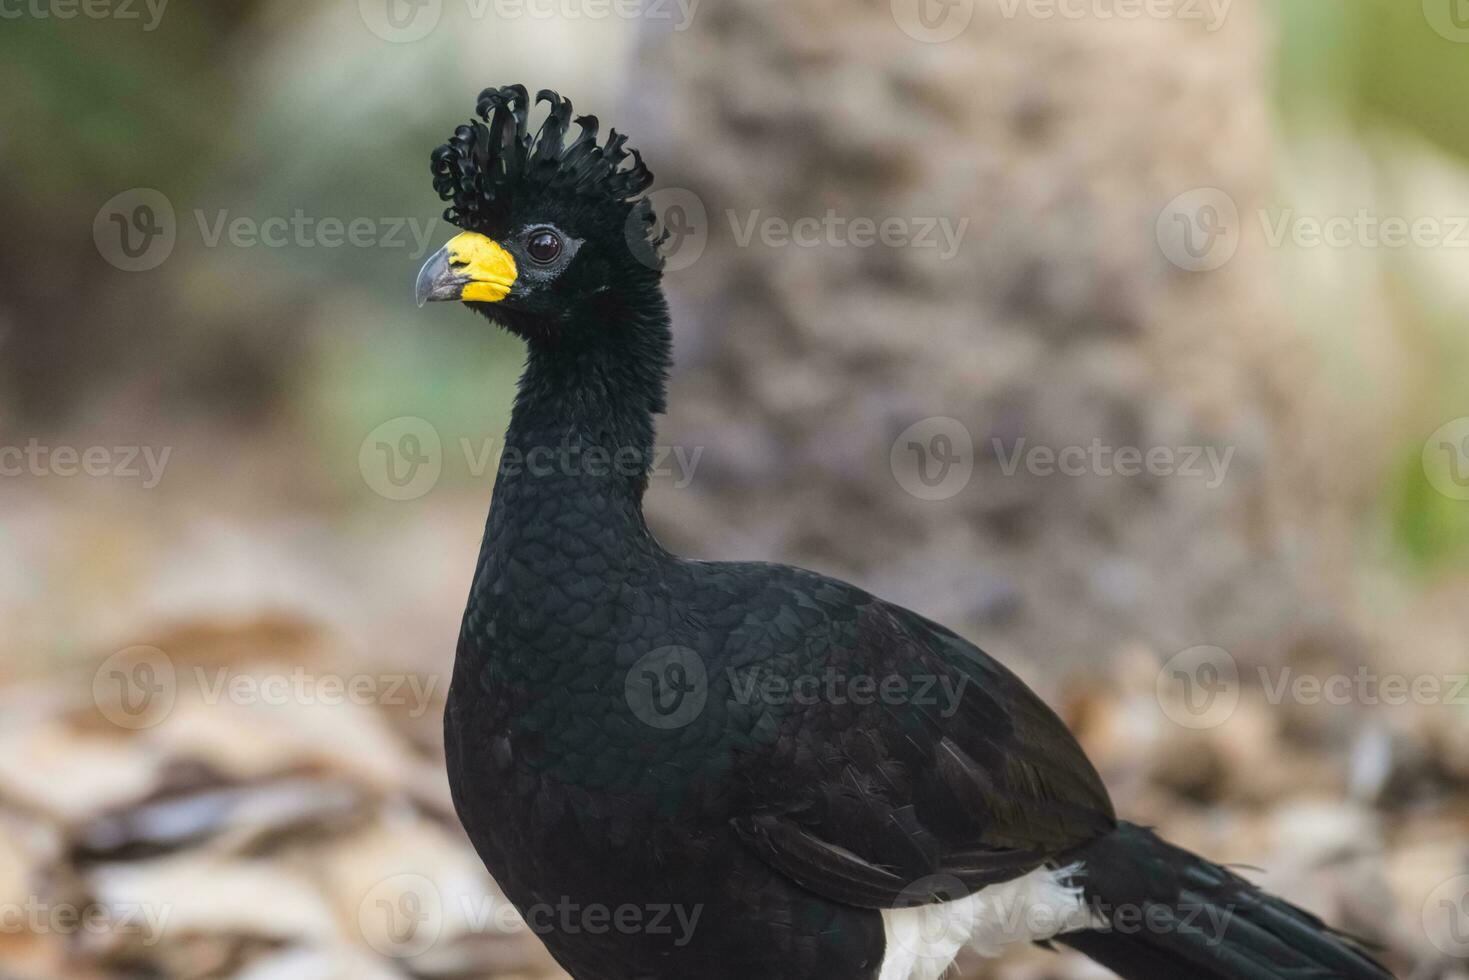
(1125, 336)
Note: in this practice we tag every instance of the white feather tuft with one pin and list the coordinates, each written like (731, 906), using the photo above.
(923, 941)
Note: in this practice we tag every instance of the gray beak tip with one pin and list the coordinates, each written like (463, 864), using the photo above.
(435, 280)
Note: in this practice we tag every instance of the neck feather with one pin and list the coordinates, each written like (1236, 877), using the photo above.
(581, 433)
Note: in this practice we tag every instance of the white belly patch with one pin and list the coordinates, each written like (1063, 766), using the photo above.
(923, 941)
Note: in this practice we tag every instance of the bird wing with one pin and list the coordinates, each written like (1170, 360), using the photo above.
(953, 769)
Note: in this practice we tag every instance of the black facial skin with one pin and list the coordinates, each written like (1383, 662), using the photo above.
(602, 268)
(537, 277)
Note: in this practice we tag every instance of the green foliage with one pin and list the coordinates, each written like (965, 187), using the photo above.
(1381, 65)
(1431, 529)
(1379, 59)
(452, 368)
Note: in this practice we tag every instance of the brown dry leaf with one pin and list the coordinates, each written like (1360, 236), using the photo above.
(339, 962)
(197, 956)
(24, 847)
(413, 891)
(26, 954)
(69, 775)
(237, 818)
(223, 641)
(259, 736)
(202, 894)
(1327, 855)
(1412, 873)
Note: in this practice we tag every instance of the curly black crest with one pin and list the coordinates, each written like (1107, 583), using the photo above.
(483, 163)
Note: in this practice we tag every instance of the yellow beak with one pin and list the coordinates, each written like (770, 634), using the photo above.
(470, 267)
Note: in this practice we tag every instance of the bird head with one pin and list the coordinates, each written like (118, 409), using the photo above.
(555, 235)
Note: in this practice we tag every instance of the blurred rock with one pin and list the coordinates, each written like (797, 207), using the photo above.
(1056, 321)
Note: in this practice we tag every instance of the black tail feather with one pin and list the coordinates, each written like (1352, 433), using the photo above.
(1169, 914)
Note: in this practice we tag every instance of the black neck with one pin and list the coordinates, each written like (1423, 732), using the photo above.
(580, 442)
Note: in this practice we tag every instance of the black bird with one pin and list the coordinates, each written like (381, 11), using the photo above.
(683, 769)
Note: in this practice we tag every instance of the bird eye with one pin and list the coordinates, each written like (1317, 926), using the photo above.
(544, 246)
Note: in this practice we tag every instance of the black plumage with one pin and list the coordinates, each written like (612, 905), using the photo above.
(487, 165)
(616, 733)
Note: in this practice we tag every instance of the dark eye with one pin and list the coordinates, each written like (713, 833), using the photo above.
(544, 246)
